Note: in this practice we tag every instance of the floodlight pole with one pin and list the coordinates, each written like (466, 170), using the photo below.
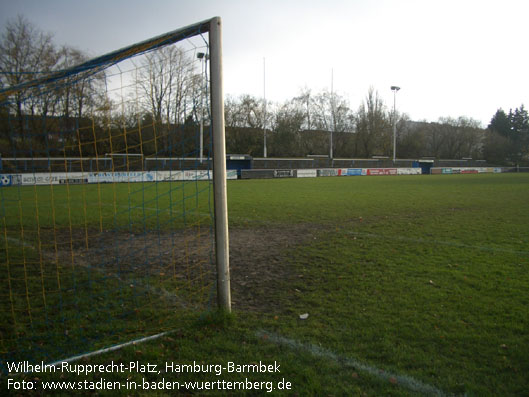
(222, 251)
(264, 108)
(394, 88)
(332, 118)
(203, 59)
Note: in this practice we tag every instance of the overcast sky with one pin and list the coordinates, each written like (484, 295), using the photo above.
(450, 57)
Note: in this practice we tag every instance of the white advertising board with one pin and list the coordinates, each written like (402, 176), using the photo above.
(71, 178)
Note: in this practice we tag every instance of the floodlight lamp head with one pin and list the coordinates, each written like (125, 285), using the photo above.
(394, 88)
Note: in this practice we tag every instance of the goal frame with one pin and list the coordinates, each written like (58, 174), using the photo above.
(213, 27)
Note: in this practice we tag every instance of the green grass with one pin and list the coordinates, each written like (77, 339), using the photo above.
(419, 277)
(126, 206)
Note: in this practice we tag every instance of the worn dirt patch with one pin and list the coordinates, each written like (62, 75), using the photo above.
(259, 257)
(260, 264)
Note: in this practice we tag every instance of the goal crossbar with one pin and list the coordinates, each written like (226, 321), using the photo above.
(114, 57)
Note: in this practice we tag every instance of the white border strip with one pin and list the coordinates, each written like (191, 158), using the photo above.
(403, 380)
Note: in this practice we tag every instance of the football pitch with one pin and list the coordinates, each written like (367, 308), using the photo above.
(390, 285)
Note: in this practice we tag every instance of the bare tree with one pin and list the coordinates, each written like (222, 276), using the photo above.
(287, 127)
(169, 88)
(453, 138)
(168, 82)
(244, 124)
(411, 139)
(373, 127)
(331, 113)
(25, 53)
(303, 101)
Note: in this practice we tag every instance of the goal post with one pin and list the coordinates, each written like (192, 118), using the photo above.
(113, 196)
(219, 160)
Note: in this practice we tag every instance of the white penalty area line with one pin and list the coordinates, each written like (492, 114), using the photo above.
(401, 380)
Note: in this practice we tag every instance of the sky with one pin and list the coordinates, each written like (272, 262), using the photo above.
(451, 58)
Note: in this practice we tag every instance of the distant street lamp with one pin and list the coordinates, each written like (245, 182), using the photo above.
(264, 108)
(203, 61)
(394, 88)
(331, 154)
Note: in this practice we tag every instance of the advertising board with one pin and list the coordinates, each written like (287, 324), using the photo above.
(381, 171)
(307, 173)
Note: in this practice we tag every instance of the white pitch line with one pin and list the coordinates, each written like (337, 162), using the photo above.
(402, 380)
(110, 349)
(105, 350)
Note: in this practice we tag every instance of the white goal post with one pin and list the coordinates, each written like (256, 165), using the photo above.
(219, 167)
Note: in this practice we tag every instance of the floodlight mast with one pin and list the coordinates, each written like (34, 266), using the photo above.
(331, 154)
(264, 108)
(203, 89)
(394, 88)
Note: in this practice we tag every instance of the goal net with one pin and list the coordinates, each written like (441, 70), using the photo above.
(113, 197)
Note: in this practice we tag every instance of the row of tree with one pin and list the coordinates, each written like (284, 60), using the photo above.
(132, 108)
(164, 101)
(303, 126)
